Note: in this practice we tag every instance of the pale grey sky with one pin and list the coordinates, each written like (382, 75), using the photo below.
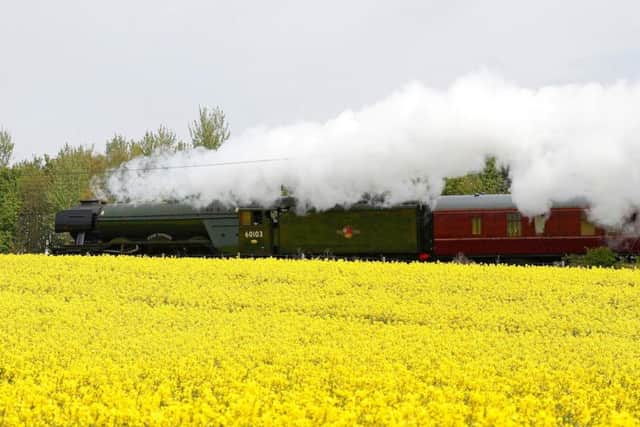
(79, 71)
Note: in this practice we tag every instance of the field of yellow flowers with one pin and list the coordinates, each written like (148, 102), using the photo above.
(118, 340)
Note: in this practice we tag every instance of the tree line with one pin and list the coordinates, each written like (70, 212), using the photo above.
(32, 191)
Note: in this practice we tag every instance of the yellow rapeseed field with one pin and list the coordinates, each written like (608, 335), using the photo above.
(135, 341)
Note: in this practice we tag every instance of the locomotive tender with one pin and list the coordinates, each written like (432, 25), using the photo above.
(482, 227)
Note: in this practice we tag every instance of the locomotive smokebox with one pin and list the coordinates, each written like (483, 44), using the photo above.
(79, 219)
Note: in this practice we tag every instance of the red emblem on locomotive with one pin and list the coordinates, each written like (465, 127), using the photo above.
(347, 232)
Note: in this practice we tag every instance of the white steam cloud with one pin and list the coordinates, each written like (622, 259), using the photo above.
(559, 142)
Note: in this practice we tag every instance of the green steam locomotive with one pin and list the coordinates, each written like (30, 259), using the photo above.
(362, 230)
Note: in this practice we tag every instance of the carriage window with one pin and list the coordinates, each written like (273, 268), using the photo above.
(586, 228)
(245, 218)
(476, 226)
(514, 228)
(538, 222)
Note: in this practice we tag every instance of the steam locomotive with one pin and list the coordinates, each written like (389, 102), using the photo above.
(482, 227)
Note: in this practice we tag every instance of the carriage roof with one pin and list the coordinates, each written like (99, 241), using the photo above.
(495, 201)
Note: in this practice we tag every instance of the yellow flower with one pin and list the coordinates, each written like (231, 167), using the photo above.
(162, 341)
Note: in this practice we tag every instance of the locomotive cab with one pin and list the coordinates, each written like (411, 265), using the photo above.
(256, 231)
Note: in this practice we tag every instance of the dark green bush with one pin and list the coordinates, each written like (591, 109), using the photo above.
(596, 257)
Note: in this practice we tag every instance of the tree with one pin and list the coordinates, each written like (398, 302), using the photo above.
(6, 148)
(163, 139)
(33, 226)
(9, 198)
(493, 179)
(9, 209)
(210, 130)
(70, 175)
(117, 151)
(50, 184)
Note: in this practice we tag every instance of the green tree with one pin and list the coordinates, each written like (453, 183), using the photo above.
(493, 179)
(50, 184)
(6, 148)
(163, 139)
(210, 130)
(34, 227)
(9, 202)
(9, 209)
(70, 175)
(117, 151)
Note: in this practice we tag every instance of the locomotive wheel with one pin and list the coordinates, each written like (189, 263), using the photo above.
(159, 237)
(122, 246)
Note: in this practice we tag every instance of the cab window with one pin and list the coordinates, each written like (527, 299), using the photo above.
(245, 218)
(257, 217)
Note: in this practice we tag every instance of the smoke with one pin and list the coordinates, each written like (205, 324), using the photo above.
(559, 142)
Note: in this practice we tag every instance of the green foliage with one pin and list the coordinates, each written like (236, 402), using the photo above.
(47, 185)
(34, 225)
(210, 130)
(595, 257)
(493, 179)
(163, 139)
(9, 200)
(32, 191)
(9, 209)
(6, 148)
(70, 174)
(117, 151)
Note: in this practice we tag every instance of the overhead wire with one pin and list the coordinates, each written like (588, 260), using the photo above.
(238, 162)
(120, 169)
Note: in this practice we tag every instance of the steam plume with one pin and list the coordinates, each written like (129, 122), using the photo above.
(558, 141)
